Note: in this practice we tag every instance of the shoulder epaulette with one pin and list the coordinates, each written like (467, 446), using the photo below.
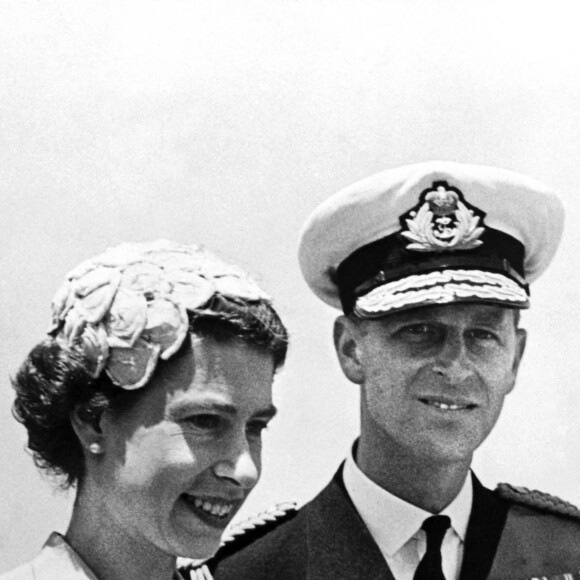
(196, 573)
(253, 528)
(239, 536)
(538, 500)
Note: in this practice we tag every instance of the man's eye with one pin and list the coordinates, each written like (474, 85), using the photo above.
(418, 332)
(206, 422)
(418, 328)
(255, 428)
(483, 334)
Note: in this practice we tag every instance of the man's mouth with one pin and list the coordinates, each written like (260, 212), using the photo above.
(447, 405)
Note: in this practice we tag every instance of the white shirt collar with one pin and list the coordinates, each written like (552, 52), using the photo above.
(404, 519)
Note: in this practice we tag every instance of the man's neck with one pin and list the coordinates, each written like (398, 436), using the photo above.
(429, 485)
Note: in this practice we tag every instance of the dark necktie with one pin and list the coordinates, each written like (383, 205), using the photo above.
(430, 566)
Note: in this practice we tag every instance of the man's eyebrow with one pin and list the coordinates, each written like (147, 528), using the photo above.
(425, 315)
(492, 317)
(413, 315)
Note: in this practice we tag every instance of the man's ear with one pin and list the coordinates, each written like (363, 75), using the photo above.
(87, 427)
(346, 344)
(521, 338)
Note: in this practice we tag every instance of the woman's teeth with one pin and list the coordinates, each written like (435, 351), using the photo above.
(219, 510)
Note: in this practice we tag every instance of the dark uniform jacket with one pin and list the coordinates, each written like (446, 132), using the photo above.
(327, 539)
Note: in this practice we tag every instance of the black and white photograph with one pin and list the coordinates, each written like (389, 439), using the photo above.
(290, 290)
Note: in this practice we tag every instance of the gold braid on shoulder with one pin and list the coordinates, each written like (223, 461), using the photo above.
(201, 573)
(249, 530)
(241, 535)
(538, 500)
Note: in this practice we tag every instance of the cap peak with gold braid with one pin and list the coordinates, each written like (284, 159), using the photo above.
(431, 233)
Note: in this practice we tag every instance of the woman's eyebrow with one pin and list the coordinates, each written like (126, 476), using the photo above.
(182, 409)
(269, 412)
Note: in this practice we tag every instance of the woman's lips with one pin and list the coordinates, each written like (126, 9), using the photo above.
(212, 510)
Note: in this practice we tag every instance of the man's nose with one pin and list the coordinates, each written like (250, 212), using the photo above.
(238, 465)
(453, 361)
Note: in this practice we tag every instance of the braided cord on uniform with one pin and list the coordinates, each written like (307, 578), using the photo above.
(538, 500)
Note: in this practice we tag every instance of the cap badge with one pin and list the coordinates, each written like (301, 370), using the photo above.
(442, 221)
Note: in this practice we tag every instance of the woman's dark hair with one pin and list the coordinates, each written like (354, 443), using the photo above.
(53, 381)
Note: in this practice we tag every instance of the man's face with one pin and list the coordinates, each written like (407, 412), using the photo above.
(433, 378)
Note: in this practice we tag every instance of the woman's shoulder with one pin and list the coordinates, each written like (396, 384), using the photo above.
(23, 572)
(56, 561)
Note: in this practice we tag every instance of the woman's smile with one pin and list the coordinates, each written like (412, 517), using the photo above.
(216, 512)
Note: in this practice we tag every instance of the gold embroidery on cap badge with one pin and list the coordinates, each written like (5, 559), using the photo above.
(443, 222)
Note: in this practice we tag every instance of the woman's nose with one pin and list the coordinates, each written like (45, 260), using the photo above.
(240, 467)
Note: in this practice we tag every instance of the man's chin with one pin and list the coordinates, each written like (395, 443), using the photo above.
(445, 451)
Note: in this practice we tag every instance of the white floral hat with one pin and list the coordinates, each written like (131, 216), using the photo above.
(127, 307)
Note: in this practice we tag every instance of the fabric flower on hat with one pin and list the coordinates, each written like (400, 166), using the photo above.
(131, 368)
(126, 318)
(167, 325)
(191, 290)
(235, 286)
(127, 308)
(96, 347)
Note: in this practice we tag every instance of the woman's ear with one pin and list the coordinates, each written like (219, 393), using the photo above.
(87, 427)
(346, 344)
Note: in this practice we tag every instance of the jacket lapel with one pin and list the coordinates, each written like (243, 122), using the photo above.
(486, 523)
(339, 544)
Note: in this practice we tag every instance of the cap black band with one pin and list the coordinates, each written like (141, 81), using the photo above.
(388, 259)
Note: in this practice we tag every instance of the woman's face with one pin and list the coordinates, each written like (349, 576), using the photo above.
(178, 463)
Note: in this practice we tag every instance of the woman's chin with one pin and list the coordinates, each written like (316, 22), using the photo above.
(199, 549)
(197, 534)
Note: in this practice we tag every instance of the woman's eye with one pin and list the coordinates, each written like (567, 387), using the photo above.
(255, 428)
(205, 422)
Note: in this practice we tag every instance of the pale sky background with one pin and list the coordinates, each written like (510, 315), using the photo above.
(226, 122)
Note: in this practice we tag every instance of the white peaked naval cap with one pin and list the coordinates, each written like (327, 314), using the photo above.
(431, 233)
